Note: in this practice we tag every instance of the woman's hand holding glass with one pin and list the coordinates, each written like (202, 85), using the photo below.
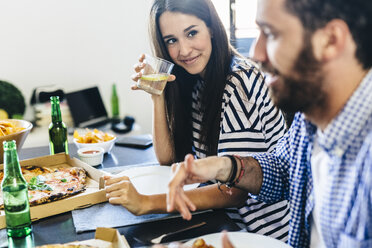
(139, 69)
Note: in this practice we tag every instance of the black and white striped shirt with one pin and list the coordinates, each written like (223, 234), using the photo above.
(250, 123)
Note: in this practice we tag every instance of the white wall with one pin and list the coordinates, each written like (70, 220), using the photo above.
(76, 44)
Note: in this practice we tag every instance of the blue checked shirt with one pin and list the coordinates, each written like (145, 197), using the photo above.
(346, 205)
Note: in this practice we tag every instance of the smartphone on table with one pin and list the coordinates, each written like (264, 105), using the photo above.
(136, 141)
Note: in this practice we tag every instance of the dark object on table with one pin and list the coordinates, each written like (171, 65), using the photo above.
(159, 239)
(124, 127)
(140, 141)
(42, 94)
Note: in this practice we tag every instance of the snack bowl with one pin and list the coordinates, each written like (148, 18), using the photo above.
(19, 136)
(107, 145)
(91, 155)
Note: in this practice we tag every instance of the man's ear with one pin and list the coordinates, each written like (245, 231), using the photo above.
(330, 41)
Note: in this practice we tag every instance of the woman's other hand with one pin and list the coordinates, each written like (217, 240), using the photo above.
(120, 191)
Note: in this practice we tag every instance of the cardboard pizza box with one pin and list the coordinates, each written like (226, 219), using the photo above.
(92, 195)
(105, 238)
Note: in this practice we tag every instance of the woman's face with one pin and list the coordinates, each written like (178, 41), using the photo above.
(187, 39)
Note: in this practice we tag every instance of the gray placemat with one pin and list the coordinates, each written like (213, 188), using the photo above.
(108, 215)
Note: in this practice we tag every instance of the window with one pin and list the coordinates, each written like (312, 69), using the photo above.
(238, 17)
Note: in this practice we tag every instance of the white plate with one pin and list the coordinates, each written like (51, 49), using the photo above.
(242, 240)
(151, 180)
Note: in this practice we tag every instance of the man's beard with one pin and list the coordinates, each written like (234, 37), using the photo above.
(304, 92)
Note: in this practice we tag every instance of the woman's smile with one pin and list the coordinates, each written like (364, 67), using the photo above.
(190, 61)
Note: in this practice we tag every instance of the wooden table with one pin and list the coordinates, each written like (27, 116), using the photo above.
(60, 228)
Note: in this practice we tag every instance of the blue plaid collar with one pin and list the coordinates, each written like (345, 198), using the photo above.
(348, 124)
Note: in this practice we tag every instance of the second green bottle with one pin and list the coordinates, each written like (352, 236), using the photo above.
(57, 129)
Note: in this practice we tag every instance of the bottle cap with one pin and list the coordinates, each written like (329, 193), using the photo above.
(9, 144)
(54, 99)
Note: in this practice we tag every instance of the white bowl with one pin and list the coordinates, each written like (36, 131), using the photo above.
(19, 137)
(107, 146)
(91, 155)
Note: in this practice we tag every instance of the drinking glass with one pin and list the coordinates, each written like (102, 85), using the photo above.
(154, 74)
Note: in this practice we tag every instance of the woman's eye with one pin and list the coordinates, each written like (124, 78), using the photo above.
(170, 41)
(192, 33)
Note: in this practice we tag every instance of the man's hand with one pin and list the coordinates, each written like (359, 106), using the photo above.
(193, 171)
(226, 241)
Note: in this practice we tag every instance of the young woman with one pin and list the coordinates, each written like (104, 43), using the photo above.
(217, 104)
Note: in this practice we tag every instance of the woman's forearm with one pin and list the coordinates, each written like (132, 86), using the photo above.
(163, 144)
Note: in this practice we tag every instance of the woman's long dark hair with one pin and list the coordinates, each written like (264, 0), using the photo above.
(178, 95)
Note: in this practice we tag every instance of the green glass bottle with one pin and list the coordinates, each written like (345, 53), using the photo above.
(15, 194)
(57, 129)
(114, 103)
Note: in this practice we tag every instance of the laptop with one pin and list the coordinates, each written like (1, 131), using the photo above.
(87, 108)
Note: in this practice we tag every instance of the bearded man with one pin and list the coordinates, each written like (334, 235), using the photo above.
(318, 56)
